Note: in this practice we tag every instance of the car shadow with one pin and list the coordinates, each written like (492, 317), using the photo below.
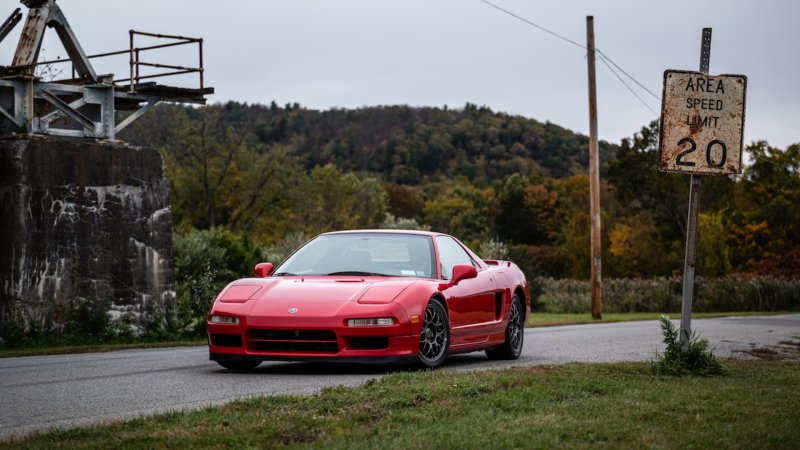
(312, 368)
(467, 361)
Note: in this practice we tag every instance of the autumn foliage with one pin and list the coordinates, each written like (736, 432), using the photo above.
(267, 172)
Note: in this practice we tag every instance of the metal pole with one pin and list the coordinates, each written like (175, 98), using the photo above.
(691, 222)
(200, 43)
(594, 177)
(131, 61)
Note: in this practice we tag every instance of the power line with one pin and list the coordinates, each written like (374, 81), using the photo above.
(533, 24)
(626, 74)
(604, 58)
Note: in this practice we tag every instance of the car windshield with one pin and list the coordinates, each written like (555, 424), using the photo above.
(364, 254)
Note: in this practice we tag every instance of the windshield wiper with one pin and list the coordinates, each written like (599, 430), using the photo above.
(358, 273)
(283, 274)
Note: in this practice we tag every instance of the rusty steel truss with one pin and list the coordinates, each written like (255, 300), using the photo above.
(86, 105)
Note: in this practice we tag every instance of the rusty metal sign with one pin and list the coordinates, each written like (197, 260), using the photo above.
(702, 123)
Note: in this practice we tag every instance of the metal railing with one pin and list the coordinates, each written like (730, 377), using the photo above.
(135, 61)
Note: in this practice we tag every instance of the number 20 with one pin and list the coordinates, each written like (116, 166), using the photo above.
(693, 146)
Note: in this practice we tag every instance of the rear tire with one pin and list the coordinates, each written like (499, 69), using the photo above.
(239, 365)
(515, 333)
(434, 338)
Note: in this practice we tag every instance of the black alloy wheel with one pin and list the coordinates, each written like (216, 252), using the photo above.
(515, 333)
(434, 339)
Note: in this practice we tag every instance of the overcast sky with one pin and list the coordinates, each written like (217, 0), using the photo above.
(353, 53)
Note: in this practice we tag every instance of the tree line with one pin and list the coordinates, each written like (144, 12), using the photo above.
(507, 185)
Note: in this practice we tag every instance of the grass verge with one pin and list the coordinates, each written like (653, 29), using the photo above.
(538, 319)
(92, 348)
(572, 406)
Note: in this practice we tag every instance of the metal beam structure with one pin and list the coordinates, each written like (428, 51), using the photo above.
(10, 23)
(85, 107)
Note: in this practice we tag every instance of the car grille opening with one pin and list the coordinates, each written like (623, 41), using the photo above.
(310, 341)
(368, 343)
(226, 340)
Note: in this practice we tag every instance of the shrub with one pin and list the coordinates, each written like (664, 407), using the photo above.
(281, 250)
(492, 249)
(695, 359)
(205, 261)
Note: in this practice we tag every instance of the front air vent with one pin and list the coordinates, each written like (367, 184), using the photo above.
(292, 341)
(226, 340)
(368, 343)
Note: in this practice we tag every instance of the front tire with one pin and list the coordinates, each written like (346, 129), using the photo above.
(239, 365)
(434, 338)
(515, 333)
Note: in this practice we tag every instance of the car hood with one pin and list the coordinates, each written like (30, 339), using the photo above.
(314, 296)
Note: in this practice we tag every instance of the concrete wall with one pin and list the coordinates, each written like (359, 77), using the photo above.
(85, 238)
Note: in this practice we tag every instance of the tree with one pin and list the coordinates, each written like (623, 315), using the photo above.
(461, 209)
(633, 248)
(335, 200)
(640, 186)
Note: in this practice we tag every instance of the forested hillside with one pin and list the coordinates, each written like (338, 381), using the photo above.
(265, 177)
(404, 145)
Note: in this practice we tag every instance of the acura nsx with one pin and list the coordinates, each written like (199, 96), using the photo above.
(372, 296)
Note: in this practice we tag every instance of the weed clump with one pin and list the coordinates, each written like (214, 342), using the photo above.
(695, 359)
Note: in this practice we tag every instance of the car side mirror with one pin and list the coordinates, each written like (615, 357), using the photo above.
(463, 272)
(263, 270)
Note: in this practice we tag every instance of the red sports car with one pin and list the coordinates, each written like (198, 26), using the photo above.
(372, 296)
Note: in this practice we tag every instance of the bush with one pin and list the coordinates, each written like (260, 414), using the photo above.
(492, 249)
(695, 359)
(205, 261)
(279, 251)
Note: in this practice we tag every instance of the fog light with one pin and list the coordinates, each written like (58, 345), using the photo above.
(382, 322)
(229, 320)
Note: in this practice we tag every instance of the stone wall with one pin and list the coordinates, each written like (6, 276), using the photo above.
(85, 238)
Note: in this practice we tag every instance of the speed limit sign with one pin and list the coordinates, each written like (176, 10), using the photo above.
(702, 123)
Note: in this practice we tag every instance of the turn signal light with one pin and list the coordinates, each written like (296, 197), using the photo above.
(382, 322)
(229, 320)
(414, 319)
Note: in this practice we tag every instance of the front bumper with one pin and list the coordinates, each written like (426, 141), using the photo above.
(311, 344)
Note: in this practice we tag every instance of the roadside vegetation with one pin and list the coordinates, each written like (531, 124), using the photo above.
(35, 349)
(570, 406)
(249, 183)
(695, 358)
(537, 319)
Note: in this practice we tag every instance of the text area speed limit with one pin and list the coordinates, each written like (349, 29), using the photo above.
(702, 123)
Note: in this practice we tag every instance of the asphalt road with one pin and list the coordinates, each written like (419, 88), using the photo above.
(40, 392)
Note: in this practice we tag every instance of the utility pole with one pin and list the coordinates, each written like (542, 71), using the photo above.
(594, 176)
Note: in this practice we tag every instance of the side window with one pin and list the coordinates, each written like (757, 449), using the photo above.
(450, 254)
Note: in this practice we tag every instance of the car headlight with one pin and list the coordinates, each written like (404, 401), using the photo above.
(380, 322)
(228, 320)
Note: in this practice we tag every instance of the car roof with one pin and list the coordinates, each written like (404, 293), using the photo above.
(386, 231)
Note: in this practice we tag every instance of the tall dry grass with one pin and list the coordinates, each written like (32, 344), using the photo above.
(664, 294)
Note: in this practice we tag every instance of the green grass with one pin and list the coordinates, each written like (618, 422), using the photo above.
(554, 319)
(91, 348)
(572, 406)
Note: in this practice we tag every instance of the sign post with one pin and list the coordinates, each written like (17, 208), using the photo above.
(702, 126)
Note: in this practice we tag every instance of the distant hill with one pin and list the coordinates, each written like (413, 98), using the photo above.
(403, 144)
